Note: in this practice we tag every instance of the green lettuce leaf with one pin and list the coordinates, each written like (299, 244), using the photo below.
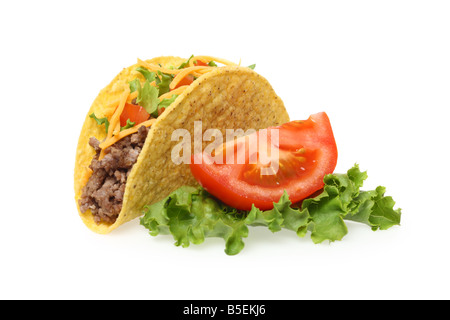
(148, 75)
(163, 83)
(135, 85)
(375, 210)
(128, 125)
(148, 98)
(100, 121)
(167, 102)
(184, 64)
(191, 214)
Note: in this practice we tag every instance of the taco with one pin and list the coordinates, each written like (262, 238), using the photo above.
(123, 159)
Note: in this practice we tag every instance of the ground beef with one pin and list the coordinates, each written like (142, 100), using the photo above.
(103, 194)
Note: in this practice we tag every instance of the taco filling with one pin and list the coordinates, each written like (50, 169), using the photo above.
(103, 194)
(127, 123)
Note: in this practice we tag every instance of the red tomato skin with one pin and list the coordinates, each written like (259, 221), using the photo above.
(216, 179)
(227, 195)
(134, 113)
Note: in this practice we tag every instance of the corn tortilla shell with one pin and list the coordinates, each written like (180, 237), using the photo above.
(225, 98)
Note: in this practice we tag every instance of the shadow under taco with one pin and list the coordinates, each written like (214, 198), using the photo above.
(123, 159)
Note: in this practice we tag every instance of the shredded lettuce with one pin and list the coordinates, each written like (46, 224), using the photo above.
(163, 83)
(148, 98)
(184, 64)
(192, 214)
(135, 85)
(148, 75)
(100, 121)
(167, 102)
(128, 125)
(148, 95)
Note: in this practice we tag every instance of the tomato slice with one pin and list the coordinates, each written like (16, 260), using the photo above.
(135, 113)
(264, 168)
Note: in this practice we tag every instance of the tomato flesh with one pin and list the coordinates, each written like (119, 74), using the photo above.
(186, 81)
(134, 113)
(291, 165)
(200, 63)
(305, 152)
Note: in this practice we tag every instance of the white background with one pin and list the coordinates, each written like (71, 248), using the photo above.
(380, 69)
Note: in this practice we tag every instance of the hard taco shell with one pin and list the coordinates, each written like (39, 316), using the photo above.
(229, 97)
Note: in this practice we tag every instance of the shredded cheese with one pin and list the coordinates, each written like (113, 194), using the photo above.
(115, 119)
(116, 128)
(194, 59)
(110, 141)
(102, 155)
(207, 59)
(184, 73)
(133, 95)
(176, 91)
(115, 108)
(85, 178)
(154, 67)
(202, 72)
(112, 106)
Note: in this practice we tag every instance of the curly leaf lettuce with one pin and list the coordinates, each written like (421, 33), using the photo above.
(191, 215)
